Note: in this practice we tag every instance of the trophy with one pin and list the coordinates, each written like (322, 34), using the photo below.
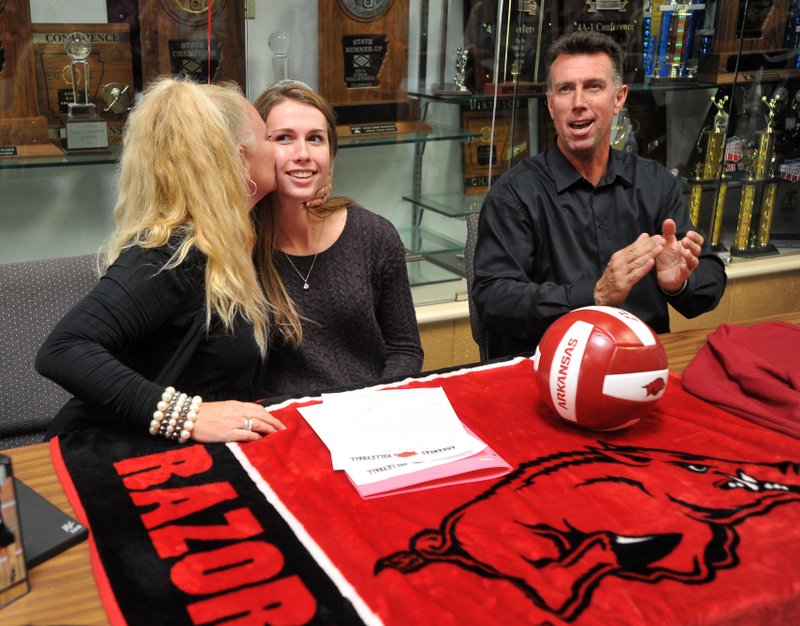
(669, 31)
(623, 132)
(279, 44)
(761, 177)
(650, 25)
(85, 130)
(118, 98)
(522, 32)
(108, 72)
(78, 46)
(710, 171)
(459, 85)
(748, 43)
(461, 69)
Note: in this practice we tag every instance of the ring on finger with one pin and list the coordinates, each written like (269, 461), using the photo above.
(248, 424)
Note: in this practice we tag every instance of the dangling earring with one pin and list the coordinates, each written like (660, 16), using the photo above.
(250, 181)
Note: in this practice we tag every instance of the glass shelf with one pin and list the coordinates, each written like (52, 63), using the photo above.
(436, 133)
(468, 97)
(733, 181)
(450, 261)
(424, 241)
(453, 98)
(67, 159)
(455, 204)
(425, 272)
(669, 84)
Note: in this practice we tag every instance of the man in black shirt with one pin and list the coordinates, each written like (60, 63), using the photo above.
(580, 224)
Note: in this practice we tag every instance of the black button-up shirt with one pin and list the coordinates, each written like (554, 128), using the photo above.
(546, 234)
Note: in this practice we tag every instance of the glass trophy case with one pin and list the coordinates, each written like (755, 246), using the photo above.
(435, 99)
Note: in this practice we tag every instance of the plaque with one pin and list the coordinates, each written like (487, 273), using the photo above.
(620, 19)
(519, 33)
(13, 572)
(20, 121)
(487, 157)
(109, 80)
(749, 42)
(363, 64)
(174, 40)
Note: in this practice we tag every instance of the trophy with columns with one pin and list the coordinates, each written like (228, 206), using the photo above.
(670, 31)
(85, 129)
(761, 183)
(710, 172)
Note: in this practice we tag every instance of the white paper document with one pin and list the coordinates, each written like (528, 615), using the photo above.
(376, 435)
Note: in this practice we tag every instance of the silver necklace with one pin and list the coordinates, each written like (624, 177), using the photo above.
(313, 261)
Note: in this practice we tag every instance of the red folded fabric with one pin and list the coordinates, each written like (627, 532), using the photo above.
(753, 372)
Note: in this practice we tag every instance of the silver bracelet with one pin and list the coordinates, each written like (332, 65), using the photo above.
(676, 293)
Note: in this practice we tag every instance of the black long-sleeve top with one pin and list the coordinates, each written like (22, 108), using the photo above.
(359, 322)
(140, 329)
(546, 234)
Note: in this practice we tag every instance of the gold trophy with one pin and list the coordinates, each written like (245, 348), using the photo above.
(710, 172)
(761, 178)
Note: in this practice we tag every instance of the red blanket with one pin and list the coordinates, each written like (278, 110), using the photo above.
(752, 371)
(691, 516)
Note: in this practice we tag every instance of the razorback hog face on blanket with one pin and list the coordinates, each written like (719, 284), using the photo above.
(559, 524)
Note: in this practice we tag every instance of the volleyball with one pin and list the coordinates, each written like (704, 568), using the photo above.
(601, 368)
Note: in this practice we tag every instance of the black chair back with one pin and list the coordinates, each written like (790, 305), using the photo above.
(34, 296)
(479, 333)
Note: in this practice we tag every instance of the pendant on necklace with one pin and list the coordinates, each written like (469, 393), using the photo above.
(305, 285)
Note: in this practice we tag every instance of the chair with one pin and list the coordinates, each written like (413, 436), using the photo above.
(34, 295)
(479, 333)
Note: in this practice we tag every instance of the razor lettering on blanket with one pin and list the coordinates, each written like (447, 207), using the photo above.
(208, 547)
(692, 515)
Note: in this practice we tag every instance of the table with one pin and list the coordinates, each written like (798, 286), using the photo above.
(681, 347)
(62, 589)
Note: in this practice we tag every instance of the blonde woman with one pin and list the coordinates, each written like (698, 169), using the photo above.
(174, 337)
(346, 315)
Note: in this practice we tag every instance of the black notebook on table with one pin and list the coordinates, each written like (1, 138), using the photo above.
(46, 529)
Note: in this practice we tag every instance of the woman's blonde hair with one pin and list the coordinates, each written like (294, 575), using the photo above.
(183, 181)
(286, 316)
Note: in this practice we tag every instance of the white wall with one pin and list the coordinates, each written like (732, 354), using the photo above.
(69, 11)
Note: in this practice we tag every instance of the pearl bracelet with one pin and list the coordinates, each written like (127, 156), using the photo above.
(175, 415)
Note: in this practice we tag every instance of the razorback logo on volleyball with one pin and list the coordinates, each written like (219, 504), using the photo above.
(601, 368)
